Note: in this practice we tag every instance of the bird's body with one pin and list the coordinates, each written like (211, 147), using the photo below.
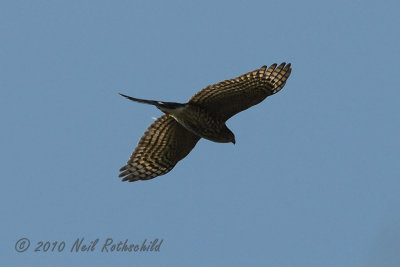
(194, 118)
(172, 136)
(202, 123)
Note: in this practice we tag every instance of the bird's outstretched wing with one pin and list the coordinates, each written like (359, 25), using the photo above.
(230, 97)
(163, 144)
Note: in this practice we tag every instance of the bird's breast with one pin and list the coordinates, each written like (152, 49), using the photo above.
(201, 123)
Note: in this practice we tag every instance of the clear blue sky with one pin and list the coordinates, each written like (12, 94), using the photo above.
(313, 179)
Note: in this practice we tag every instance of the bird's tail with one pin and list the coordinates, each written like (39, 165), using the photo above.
(159, 104)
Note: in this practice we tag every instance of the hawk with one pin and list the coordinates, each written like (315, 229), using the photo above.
(173, 135)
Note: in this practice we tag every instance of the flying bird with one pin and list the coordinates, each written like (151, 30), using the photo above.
(173, 135)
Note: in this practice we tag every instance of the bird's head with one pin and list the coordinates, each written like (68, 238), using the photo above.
(231, 136)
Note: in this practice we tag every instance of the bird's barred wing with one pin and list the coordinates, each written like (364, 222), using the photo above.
(233, 96)
(163, 144)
